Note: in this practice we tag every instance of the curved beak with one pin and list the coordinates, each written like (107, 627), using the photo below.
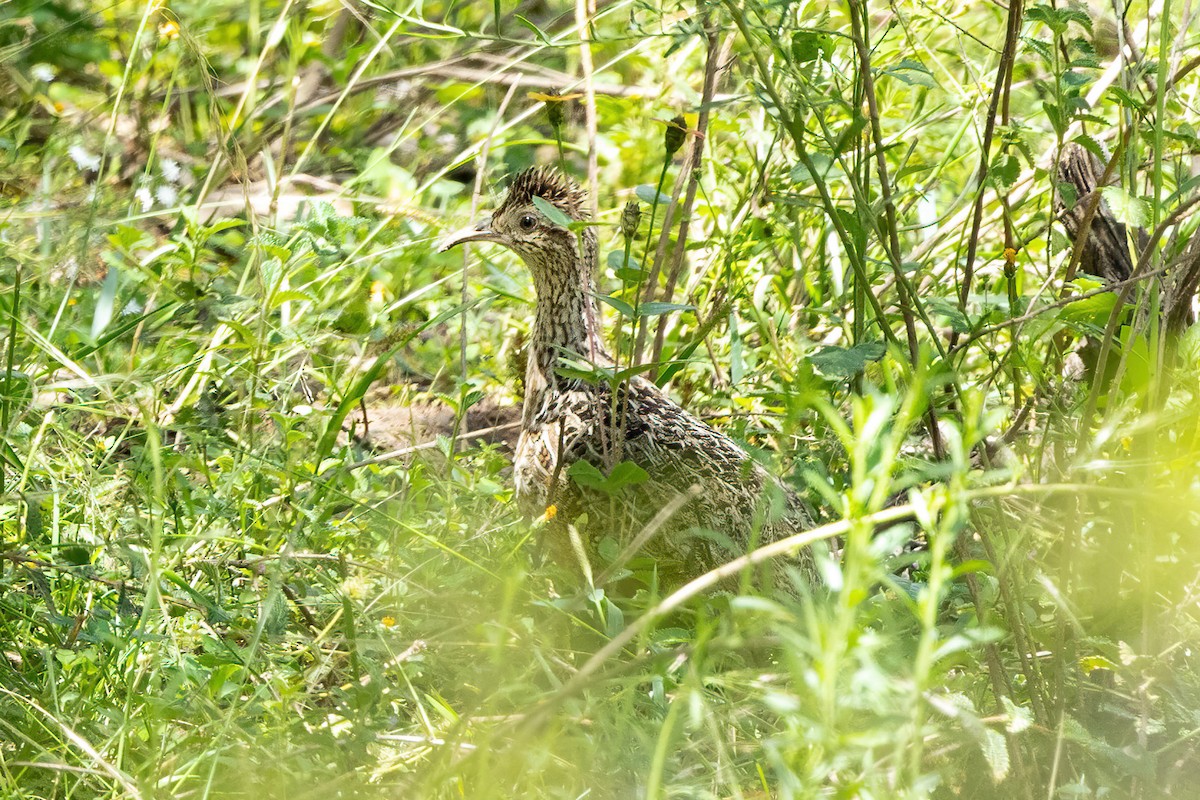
(480, 233)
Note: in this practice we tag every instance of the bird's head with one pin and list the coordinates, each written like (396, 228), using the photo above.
(548, 248)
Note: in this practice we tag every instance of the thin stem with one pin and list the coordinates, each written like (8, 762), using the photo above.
(904, 289)
(10, 362)
(1003, 73)
(716, 56)
(647, 294)
(582, 14)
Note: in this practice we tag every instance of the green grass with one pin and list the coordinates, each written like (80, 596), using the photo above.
(205, 593)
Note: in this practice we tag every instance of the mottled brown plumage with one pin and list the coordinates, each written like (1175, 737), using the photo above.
(1105, 252)
(567, 419)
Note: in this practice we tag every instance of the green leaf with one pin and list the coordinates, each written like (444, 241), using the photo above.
(536, 30)
(846, 362)
(1005, 170)
(552, 212)
(1189, 347)
(76, 554)
(1092, 312)
(649, 194)
(1075, 80)
(680, 360)
(626, 474)
(279, 298)
(1054, 18)
(1019, 717)
(995, 752)
(104, 305)
(20, 390)
(1055, 115)
(1125, 98)
(912, 72)
(821, 163)
(1038, 46)
(616, 259)
(1125, 207)
(1068, 193)
(811, 45)
(736, 365)
(586, 474)
(222, 225)
(623, 308)
(657, 309)
(950, 310)
(1092, 146)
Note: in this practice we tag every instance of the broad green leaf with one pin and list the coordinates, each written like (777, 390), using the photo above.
(1005, 170)
(995, 752)
(536, 30)
(1092, 311)
(657, 309)
(626, 474)
(811, 45)
(736, 365)
(104, 304)
(552, 212)
(616, 259)
(947, 308)
(623, 308)
(614, 618)
(1057, 19)
(823, 165)
(649, 194)
(1019, 717)
(1125, 207)
(912, 72)
(1068, 193)
(586, 474)
(846, 362)
(279, 298)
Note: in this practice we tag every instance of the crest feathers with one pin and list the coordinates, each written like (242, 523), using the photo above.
(550, 185)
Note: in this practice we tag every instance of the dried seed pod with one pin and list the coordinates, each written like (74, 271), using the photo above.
(630, 217)
(675, 136)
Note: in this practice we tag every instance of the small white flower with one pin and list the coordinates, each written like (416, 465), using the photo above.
(145, 198)
(167, 195)
(400, 90)
(83, 159)
(131, 308)
(170, 169)
(42, 72)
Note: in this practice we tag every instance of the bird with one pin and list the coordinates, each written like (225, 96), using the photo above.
(1105, 251)
(722, 500)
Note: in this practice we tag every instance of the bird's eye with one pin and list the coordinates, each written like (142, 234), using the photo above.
(527, 222)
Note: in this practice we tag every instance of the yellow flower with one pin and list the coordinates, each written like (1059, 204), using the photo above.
(1126, 443)
(377, 290)
(169, 30)
(1010, 254)
(554, 98)
(388, 621)
(551, 511)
